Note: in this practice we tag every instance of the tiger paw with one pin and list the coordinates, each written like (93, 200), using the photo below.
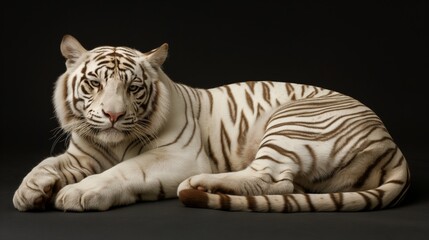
(238, 183)
(37, 189)
(89, 194)
(227, 183)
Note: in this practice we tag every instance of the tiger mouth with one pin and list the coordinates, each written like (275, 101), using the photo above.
(110, 135)
(111, 130)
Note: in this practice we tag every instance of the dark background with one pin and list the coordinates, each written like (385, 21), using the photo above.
(375, 51)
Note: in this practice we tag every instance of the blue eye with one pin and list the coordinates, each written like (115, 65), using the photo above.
(94, 83)
(134, 88)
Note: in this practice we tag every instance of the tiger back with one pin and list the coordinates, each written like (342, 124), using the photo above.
(136, 135)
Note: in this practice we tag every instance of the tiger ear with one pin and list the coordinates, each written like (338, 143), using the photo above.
(157, 56)
(71, 49)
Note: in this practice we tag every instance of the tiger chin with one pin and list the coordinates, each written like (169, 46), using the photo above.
(265, 146)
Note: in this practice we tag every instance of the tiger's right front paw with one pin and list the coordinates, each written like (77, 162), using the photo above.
(37, 189)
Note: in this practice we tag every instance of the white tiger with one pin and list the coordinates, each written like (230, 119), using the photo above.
(252, 146)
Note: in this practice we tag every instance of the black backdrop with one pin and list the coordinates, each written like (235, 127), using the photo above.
(375, 51)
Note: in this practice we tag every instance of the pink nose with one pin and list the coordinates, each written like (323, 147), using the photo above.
(113, 116)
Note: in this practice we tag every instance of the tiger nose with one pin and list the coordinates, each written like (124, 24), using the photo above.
(113, 116)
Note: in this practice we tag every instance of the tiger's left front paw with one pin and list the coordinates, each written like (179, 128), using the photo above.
(87, 195)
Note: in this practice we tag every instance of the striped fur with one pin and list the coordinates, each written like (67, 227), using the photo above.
(252, 146)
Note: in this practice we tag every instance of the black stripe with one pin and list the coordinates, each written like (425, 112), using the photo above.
(364, 177)
(266, 93)
(309, 202)
(225, 201)
(161, 193)
(135, 142)
(286, 204)
(232, 104)
(298, 206)
(398, 199)
(200, 149)
(184, 126)
(210, 96)
(243, 129)
(211, 154)
(249, 101)
(367, 201)
(197, 96)
(225, 144)
(268, 203)
(193, 120)
(86, 153)
(92, 170)
(290, 154)
(251, 85)
(337, 198)
(266, 157)
(63, 169)
(379, 197)
(251, 203)
(68, 111)
(72, 167)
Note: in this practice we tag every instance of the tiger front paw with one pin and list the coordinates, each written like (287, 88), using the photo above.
(88, 195)
(37, 189)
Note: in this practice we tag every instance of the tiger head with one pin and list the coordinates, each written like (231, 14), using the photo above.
(111, 94)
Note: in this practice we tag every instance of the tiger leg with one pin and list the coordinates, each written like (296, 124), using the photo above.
(37, 187)
(100, 191)
(271, 172)
(41, 184)
(146, 177)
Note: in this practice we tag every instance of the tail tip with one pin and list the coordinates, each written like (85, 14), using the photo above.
(194, 198)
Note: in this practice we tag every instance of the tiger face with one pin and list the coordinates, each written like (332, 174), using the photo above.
(108, 94)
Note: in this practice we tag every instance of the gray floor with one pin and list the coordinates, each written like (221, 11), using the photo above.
(169, 219)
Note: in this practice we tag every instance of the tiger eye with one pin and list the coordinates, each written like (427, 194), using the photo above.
(95, 83)
(133, 88)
